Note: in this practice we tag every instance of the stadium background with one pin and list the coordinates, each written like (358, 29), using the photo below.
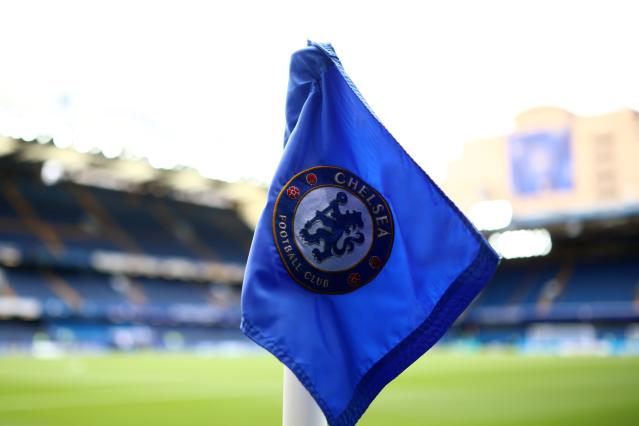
(121, 259)
(106, 262)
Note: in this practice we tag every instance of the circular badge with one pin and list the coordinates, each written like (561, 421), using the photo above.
(333, 231)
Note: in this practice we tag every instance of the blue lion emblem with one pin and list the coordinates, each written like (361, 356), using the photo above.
(333, 225)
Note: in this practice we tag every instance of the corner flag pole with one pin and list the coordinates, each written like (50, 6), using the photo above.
(299, 408)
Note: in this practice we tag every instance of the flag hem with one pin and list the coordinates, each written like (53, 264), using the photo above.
(454, 301)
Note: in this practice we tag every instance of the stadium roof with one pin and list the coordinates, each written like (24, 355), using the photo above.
(130, 174)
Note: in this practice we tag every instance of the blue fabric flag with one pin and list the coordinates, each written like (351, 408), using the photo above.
(359, 263)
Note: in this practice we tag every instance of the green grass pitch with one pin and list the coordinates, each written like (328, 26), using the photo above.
(440, 389)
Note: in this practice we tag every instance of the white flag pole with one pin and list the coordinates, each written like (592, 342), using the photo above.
(299, 408)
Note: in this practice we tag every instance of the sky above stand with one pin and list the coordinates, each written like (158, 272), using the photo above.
(203, 84)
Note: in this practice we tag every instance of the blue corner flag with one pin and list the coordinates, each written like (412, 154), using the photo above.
(359, 263)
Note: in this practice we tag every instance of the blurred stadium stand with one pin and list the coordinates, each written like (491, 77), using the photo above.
(111, 263)
(559, 199)
(98, 253)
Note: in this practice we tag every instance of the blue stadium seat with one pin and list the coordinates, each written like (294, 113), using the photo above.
(164, 292)
(51, 203)
(502, 288)
(30, 283)
(602, 281)
(94, 287)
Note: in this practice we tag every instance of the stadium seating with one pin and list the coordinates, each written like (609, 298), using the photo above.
(597, 288)
(31, 284)
(57, 229)
(594, 282)
(67, 217)
(162, 292)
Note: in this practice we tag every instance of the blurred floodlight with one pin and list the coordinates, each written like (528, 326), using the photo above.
(521, 243)
(28, 133)
(84, 145)
(162, 160)
(111, 150)
(491, 215)
(63, 137)
(43, 139)
(51, 172)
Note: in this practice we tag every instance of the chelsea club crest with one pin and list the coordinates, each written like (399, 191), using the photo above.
(333, 231)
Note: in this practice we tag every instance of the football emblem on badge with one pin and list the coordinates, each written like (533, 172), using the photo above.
(333, 231)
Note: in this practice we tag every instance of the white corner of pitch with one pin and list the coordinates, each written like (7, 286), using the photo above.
(299, 408)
